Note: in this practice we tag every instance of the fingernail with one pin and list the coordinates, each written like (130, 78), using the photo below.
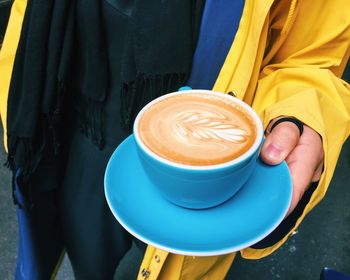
(273, 152)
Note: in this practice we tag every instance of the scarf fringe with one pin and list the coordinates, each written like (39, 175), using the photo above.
(26, 153)
(137, 93)
(91, 119)
(23, 155)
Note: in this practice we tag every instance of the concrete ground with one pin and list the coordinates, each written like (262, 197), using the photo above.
(323, 240)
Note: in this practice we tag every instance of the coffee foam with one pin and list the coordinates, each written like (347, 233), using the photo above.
(197, 129)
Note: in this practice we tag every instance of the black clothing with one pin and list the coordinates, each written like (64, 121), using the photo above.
(82, 71)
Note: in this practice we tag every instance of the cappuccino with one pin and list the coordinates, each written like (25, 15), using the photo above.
(197, 129)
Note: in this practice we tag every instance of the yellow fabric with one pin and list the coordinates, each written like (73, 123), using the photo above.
(7, 56)
(153, 263)
(286, 59)
(301, 79)
(244, 58)
(158, 264)
(297, 76)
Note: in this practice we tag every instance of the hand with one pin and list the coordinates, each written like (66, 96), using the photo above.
(303, 155)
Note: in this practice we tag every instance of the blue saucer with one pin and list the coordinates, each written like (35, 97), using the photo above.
(246, 218)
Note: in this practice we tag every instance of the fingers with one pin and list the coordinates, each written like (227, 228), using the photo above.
(280, 142)
(305, 163)
(318, 172)
(303, 155)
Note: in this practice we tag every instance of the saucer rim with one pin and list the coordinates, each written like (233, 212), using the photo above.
(226, 250)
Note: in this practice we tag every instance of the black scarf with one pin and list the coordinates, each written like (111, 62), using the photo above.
(164, 37)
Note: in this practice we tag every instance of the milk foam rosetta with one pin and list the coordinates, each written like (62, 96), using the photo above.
(197, 129)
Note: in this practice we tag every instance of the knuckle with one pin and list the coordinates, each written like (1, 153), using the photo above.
(286, 135)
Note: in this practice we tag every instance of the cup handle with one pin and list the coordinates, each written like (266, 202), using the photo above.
(184, 88)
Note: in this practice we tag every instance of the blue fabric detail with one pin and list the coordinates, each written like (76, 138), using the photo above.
(26, 266)
(219, 25)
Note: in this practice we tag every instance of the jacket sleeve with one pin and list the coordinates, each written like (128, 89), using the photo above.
(7, 56)
(301, 78)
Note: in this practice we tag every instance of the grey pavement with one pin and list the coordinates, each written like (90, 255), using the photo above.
(8, 221)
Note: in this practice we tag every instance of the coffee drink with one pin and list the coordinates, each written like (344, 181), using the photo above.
(197, 129)
(198, 147)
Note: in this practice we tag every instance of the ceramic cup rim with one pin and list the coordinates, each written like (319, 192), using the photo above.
(253, 149)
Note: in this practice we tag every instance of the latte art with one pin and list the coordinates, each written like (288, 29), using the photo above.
(206, 127)
(197, 129)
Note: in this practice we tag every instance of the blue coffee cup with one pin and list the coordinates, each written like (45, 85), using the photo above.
(199, 186)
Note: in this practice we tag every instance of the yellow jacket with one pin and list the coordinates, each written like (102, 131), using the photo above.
(286, 59)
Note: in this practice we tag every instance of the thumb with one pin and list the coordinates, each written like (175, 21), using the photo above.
(279, 142)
